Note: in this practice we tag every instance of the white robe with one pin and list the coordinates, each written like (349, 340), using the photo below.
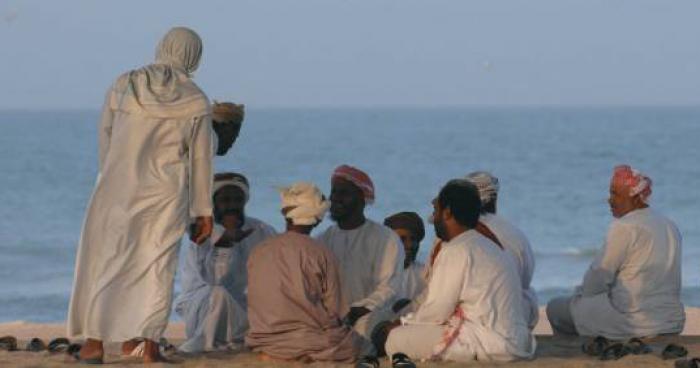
(516, 243)
(472, 277)
(633, 287)
(213, 301)
(155, 173)
(371, 263)
(412, 282)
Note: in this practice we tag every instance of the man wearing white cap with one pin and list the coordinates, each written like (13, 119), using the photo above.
(632, 288)
(294, 296)
(509, 237)
(213, 301)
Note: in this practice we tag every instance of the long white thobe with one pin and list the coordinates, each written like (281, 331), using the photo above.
(632, 289)
(472, 310)
(155, 173)
(213, 300)
(516, 243)
(371, 262)
(412, 281)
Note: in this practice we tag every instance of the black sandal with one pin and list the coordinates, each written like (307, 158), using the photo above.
(688, 363)
(637, 347)
(367, 361)
(614, 352)
(401, 360)
(58, 345)
(596, 346)
(8, 343)
(36, 344)
(674, 351)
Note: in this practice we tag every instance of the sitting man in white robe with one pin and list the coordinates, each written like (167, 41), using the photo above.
(213, 301)
(370, 254)
(473, 308)
(410, 229)
(509, 237)
(632, 288)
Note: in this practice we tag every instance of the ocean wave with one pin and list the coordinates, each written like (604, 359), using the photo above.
(578, 252)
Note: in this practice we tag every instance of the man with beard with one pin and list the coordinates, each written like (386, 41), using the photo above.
(213, 302)
(410, 229)
(370, 255)
(632, 288)
(472, 310)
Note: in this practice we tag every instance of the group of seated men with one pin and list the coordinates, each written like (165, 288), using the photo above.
(356, 290)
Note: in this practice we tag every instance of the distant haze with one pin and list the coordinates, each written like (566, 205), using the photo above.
(286, 53)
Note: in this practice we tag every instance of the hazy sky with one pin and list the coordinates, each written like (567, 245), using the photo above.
(64, 54)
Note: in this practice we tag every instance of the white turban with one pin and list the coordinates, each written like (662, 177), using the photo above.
(231, 179)
(306, 203)
(486, 183)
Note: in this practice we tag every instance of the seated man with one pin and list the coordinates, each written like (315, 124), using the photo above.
(633, 287)
(410, 229)
(213, 300)
(509, 237)
(473, 308)
(294, 293)
(370, 255)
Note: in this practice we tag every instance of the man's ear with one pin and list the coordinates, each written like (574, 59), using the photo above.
(447, 214)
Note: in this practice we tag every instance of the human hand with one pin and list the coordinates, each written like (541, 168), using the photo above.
(201, 229)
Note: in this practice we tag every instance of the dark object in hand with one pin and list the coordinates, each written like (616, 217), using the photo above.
(354, 314)
(400, 304)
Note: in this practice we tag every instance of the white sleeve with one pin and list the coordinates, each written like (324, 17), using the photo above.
(201, 155)
(444, 288)
(602, 273)
(387, 275)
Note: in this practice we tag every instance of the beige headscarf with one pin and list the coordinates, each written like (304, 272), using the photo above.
(305, 202)
(164, 89)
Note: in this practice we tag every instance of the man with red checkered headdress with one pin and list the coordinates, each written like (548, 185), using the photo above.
(632, 289)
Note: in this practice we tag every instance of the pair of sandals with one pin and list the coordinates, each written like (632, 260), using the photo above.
(606, 349)
(59, 345)
(398, 360)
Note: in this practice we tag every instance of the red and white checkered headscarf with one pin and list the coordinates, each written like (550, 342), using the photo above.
(357, 177)
(638, 183)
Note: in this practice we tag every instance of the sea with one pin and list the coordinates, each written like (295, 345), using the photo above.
(554, 165)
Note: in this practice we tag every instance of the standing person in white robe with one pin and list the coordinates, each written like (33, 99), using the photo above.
(155, 169)
(510, 237)
(370, 254)
(410, 229)
(632, 288)
(213, 302)
(473, 309)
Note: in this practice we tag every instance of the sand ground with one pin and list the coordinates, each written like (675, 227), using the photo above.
(550, 352)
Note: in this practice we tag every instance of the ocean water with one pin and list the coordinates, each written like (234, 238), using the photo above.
(554, 165)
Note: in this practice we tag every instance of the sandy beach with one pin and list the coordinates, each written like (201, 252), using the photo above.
(550, 352)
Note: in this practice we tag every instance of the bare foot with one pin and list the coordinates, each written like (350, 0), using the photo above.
(92, 351)
(151, 353)
(129, 346)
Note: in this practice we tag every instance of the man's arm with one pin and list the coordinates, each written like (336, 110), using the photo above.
(602, 273)
(387, 275)
(445, 287)
(105, 130)
(201, 176)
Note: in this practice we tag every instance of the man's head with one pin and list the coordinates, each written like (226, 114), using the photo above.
(456, 209)
(231, 193)
(409, 227)
(629, 190)
(303, 206)
(227, 119)
(488, 186)
(351, 190)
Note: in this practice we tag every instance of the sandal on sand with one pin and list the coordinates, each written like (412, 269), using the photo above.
(73, 350)
(8, 343)
(637, 347)
(401, 360)
(596, 346)
(58, 345)
(688, 363)
(367, 361)
(614, 352)
(36, 344)
(673, 351)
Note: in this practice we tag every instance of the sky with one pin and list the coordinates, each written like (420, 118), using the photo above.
(367, 53)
